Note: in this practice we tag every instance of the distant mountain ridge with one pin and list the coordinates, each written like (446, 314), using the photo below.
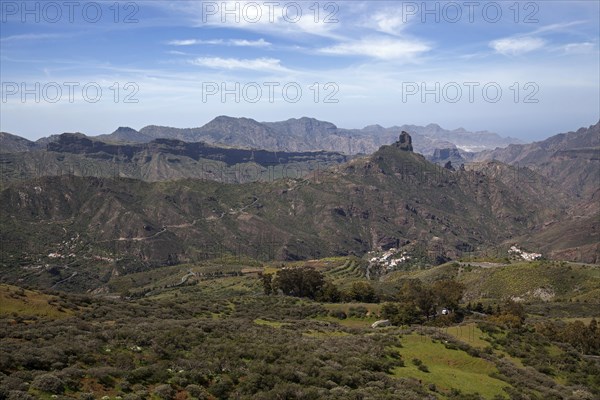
(310, 134)
(159, 160)
(301, 135)
(572, 159)
(584, 139)
(10, 143)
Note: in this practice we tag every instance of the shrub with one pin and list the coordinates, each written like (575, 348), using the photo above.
(132, 396)
(339, 314)
(197, 392)
(18, 395)
(48, 383)
(164, 392)
(358, 312)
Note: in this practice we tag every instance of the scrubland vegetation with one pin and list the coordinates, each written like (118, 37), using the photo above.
(296, 331)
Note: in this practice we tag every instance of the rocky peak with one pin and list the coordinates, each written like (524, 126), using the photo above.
(125, 129)
(404, 142)
(449, 166)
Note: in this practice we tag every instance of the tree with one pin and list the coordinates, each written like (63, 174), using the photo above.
(448, 293)
(389, 311)
(363, 292)
(414, 292)
(401, 313)
(299, 282)
(329, 293)
(512, 315)
(575, 333)
(408, 314)
(513, 308)
(267, 281)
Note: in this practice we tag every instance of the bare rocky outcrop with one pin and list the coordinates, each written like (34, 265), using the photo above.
(404, 142)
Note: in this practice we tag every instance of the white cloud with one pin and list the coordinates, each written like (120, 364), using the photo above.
(579, 48)
(231, 42)
(258, 64)
(177, 53)
(193, 42)
(389, 21)
(381, 48)
(517, 45)
(31, 37)
(249, 43)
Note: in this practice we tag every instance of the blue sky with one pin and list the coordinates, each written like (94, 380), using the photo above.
(522, 69)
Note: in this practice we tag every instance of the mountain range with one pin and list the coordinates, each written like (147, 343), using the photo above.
(294, 135)
(91, 222)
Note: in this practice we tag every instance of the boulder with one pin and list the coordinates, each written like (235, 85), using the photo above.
(381, 323)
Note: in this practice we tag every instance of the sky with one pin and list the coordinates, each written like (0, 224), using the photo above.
(522, 69)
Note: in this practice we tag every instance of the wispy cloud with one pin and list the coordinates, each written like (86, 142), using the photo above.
(177, 53)
(391, 24)
(559, 27)
(31, 37)
(580, 48)
(231, 42)
(257, 64)
(250, 43)
(389, 20)
(517, 45)
(379, 47)
(532, 41)
(193, 42)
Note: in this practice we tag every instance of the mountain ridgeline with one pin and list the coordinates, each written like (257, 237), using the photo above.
(161, 160)
(294, 135)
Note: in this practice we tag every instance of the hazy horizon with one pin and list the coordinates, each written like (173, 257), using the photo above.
(138, 128)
